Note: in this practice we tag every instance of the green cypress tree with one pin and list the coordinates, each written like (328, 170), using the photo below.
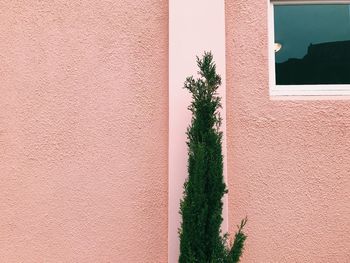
(201, 239)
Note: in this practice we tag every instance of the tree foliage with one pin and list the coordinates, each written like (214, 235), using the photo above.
(201, 239)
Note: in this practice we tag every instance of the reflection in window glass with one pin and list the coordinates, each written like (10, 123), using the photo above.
(312, 44)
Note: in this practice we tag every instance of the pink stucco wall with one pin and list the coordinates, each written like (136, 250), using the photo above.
(83, 131)
(84, 139)
(288, 161)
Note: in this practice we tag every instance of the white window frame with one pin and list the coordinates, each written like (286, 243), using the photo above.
(298, 90)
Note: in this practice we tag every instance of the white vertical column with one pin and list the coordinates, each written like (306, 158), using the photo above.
(195, 26)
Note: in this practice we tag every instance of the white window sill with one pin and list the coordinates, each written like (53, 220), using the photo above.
(310, 90)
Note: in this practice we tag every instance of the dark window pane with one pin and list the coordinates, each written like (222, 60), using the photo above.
(315, 44)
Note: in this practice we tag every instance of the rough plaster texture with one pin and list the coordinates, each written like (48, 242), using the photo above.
(83, 131)
(288, 161)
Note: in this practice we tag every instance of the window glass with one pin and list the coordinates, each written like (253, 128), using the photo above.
(312, 44)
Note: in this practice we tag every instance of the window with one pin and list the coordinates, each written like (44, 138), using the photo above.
(309, 48)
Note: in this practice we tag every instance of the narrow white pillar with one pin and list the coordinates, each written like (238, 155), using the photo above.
(195, 26)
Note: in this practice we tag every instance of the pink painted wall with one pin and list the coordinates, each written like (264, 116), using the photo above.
(84, 139)
(83, 131)
(288, 161)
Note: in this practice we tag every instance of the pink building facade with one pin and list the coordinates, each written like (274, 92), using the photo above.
(92, 143)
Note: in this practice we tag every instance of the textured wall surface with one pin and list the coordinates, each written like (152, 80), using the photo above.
(83, 131)
(288, 161)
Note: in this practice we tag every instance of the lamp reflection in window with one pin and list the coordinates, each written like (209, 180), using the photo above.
(277, 47)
